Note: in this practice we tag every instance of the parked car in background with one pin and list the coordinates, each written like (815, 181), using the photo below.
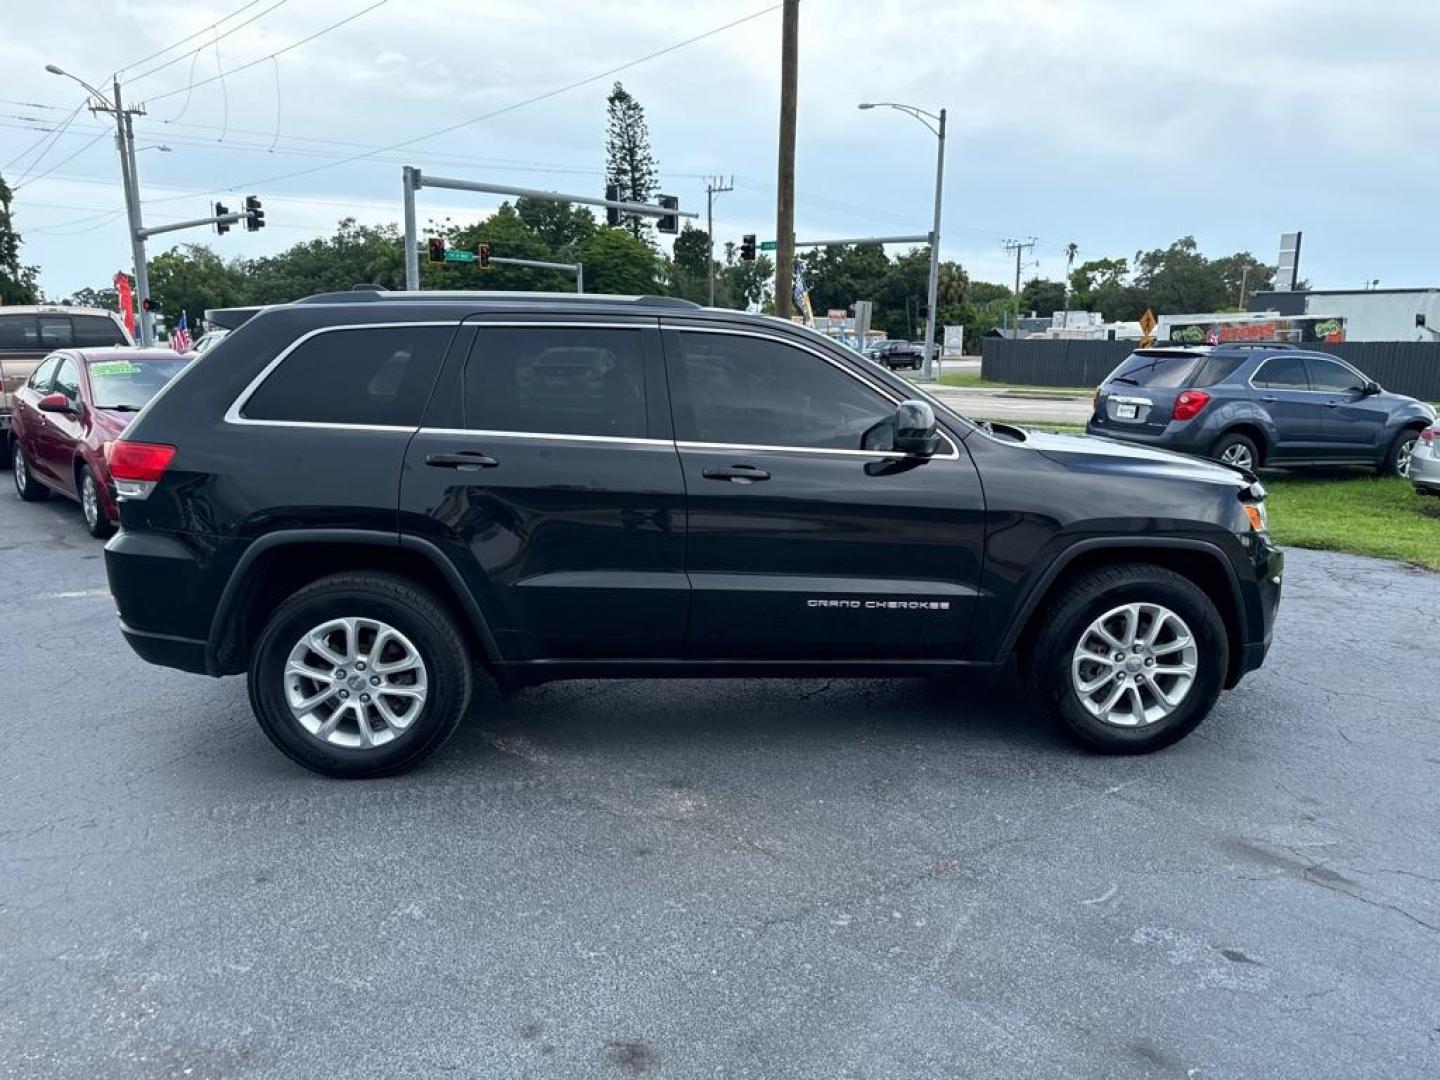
(29, 333)
(1258, 405)
(1425, 462)
(208, 341)
(376, 493)
(75, 404)
(898, 354)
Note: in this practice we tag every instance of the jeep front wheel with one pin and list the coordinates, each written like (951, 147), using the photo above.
(1130, 658)
(360, 675)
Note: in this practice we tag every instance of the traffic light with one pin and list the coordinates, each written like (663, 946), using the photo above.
(149, 305)
(1420, 319)
(437, 248)
(612, 215)
(670, 223)
(254, 216)
(747, 247)
(484, 252)
(221, 227)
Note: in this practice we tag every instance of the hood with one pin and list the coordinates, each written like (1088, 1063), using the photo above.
(1113, 455)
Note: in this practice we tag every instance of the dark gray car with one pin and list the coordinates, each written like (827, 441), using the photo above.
(1250, 405)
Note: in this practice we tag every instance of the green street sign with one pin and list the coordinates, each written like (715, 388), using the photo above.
(768, 245)
(452, 255)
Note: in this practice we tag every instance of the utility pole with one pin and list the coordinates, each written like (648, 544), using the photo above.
(713, 186)
(1244, 277)
(1019, 247)
(785, 180)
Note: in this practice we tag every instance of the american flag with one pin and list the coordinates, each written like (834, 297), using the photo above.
(180, 336)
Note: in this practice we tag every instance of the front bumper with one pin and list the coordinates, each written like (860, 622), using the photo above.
(1261, 596)
(1425, 468)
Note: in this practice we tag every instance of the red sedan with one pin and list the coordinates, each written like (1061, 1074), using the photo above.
(74, 405)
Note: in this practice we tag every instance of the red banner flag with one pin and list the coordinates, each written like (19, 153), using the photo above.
(126, 302)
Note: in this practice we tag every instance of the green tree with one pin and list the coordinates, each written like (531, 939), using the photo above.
(901, 294)
(688, 268)
(509, 237)
(1242, 276)
(629, 164)
(839, 275)
(744, 284)
(192, 278)
(1178, 279)
(88, 296)
(355, 255)
(1042, 296)
(983, 292)
(17, 282)
(618, 262)
(1100, 285)
(563, 227)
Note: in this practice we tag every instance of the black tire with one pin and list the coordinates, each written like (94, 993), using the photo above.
(406, 607)
(96, 523)
(1066, 617)
(26, 486)
(1398, 456)
(1234, 443)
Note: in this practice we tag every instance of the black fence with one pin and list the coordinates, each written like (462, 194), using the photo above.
(1406, 367)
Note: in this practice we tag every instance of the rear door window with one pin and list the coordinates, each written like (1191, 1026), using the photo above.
(96, 330)
(1160, 370)
(1333, 378)
(56, 332)
(557, 380)
(19, 332)
(1282, 373)
(1215, 369)
(375, 375)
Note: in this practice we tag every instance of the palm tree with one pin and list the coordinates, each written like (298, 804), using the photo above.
(1071, 250)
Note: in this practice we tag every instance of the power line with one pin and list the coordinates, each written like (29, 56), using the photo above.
(205, 45)
(189, 36)
(23, 181)
(278, 52)
(52, 136)
(501, 111)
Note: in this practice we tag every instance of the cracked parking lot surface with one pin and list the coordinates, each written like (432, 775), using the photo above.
(768, 879)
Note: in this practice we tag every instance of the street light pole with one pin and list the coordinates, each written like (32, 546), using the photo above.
(125, 144)
(938, 130)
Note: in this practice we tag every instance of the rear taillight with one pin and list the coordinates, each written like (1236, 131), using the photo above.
(136, 467)
(1189, 404)
(1428, 435)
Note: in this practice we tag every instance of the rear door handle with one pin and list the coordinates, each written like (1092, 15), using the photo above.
(1332, 404)
(1270, 400)
(465, 460)
(736, 474)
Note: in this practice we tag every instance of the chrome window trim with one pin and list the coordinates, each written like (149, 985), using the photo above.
(1302, 358)
(234, 414)
(883, 391)
(552, 436)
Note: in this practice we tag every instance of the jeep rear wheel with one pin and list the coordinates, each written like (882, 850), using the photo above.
(1232, 448)
(1130, 658)
(360, 675)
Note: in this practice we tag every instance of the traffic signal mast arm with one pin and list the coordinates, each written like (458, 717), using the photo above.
(226, 219)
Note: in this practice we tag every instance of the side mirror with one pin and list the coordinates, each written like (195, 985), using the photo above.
(57, 403)
(1371, 388)
(915, 432)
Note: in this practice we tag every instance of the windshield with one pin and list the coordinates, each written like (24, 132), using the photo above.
(129, 384)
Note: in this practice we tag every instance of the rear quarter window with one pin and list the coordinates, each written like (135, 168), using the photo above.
(1216, 369)
(19, 332)
(354, 375)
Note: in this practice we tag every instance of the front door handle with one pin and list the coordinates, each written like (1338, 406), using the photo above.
(1332, 404)
(465, 460)
(736, 474)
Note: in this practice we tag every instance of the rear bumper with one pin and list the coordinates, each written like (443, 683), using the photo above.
(1425, 469)
(186, 654)
(1186, 437)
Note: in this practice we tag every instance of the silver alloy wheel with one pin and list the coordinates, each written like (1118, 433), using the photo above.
(355, 683)
(1238, 454)
(1134, 665)
(1404, 454)
(89, 500)
(17, 464)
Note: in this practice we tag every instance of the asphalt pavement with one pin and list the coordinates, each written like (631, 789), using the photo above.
(833, 879)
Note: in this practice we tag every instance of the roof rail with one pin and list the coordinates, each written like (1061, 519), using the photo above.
(1257, 345)
(377, 293)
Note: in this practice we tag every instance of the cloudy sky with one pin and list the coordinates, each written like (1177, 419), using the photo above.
(1118, 124)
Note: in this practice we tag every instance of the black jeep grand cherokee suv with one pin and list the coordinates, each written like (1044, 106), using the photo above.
(361, 497)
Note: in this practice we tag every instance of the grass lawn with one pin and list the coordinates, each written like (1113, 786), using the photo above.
(1350, 511)
(972, 380)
